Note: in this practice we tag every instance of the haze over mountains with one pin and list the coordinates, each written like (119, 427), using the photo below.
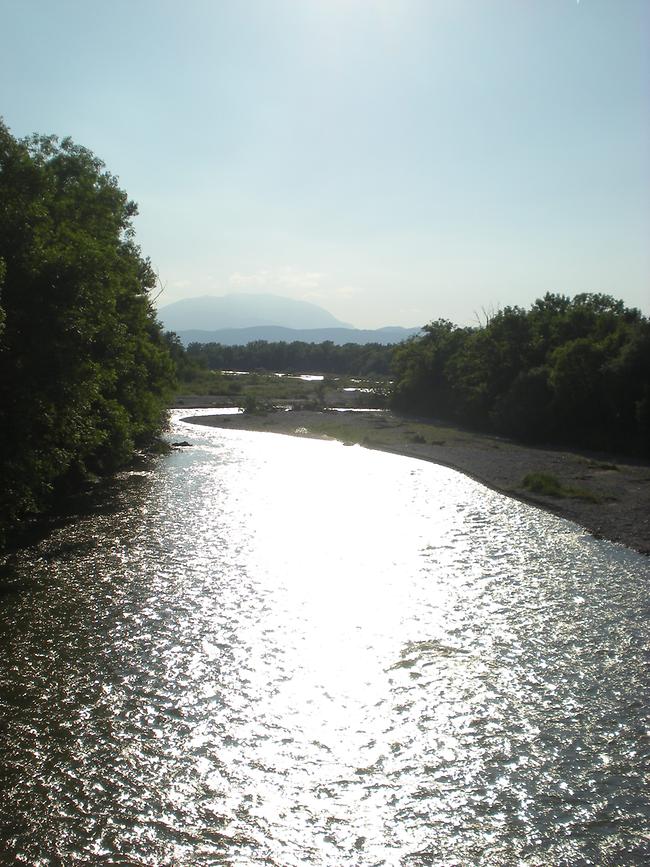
(238, 319)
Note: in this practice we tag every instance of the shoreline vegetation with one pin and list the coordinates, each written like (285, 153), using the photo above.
(85, 369)
(606, 495)
(560, 393)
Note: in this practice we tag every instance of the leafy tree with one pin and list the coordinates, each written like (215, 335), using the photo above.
(576, 377)
(524, 410)
(84, 370)
(295, 357)
(573, 371)
(421, 369)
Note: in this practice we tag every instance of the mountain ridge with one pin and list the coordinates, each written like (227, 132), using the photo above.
(245, 310)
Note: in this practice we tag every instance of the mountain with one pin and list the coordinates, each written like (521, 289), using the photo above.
(276, 333)
(211, 312)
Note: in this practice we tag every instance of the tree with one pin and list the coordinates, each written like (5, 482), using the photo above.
(84, 370)
(421, 369)
(574, 371)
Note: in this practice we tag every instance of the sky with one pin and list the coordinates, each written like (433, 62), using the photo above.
(394, 161)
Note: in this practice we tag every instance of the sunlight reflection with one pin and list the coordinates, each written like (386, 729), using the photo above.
(292, 652)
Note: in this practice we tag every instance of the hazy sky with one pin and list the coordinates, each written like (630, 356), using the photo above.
(392, 160)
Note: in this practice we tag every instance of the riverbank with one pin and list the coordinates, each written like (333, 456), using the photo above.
(609, 496)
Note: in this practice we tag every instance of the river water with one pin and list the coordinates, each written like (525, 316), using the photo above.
(275, 651)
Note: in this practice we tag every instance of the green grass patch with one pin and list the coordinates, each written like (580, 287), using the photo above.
(343, 432)
(543, 483)
(550, 486)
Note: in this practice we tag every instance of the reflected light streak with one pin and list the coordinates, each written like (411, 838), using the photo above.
(287, 652)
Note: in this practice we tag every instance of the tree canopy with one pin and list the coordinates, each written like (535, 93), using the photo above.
(574, 371)
(360, 359)
(84, 370)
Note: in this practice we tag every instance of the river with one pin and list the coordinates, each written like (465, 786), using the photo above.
(265, 650)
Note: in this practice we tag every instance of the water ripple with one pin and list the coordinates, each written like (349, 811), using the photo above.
(276, 651)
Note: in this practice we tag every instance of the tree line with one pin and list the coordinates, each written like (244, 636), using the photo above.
(85, 372)
(567, 371)
(570, 371)
(294, 357)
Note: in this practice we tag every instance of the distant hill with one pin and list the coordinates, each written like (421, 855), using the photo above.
(212, 312)
(276, 333)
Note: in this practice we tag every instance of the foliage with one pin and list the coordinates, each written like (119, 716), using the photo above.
(84, 369)
(570, 371)
(230, 388)
(550, 486)
(295, 357)
(252, 406)
(543, 483)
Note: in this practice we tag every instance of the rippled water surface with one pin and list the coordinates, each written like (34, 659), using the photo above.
(285, 652)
